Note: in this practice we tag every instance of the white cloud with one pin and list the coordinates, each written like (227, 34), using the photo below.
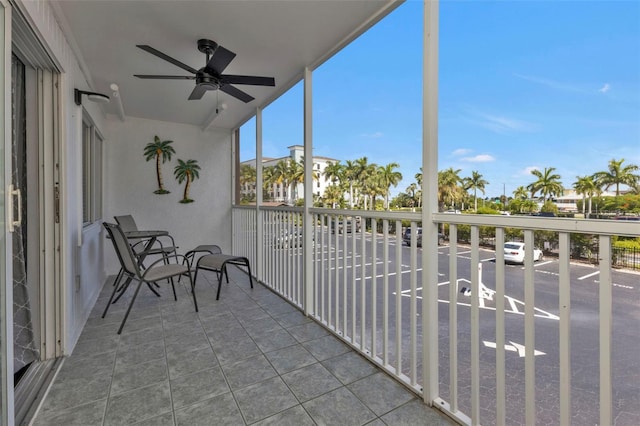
(527, 170)
(461, 151)
(605, 88)
(481, 158)
(567, 87)
(374, 135)
(499, 124)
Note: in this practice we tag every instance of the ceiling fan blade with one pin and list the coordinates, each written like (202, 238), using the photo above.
(220, 59)
(236, 93)
(198, 92)
(167, 77)
(248, 79)
(167, 58)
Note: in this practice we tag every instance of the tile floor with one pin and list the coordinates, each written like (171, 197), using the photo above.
(249, 358)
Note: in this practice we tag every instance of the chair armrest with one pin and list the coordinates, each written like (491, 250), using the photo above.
(163, 260)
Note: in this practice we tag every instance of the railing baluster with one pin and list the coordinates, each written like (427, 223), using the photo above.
(354, 273)
(363, 286)
(374, 284)
(385, 292)
(398, 298)
(475, 326)
(345, 268)
(606, 329)
(500, 330)
(329, 275)
(529, 330)
(323, 266)
(413, 304)
(453, 317)
(564, 310)
(336, 307)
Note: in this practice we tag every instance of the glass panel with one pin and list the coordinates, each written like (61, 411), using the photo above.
(86, 155)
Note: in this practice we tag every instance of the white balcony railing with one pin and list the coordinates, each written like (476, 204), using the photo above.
(368, 289)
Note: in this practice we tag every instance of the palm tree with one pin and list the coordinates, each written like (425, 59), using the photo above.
(248, 175)
(350, 174)
(388, 176)
(586, 186)
(521, 193)
(548, 183)
(268, 181)
(449, 189)
(363, 172)
(412, 191)
(333, 172)
(296, 175)
(188, 171)
(333, 196)
(418, 177)
(159, 150)
(475, 182)
(281, 175)
(371, 185)
(616, 175)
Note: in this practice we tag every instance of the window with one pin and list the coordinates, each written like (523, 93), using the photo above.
(91, 174)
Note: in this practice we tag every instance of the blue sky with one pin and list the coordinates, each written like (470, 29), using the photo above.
(522, 85)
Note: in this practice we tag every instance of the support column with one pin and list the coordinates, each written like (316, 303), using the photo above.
(308, 196)
(259, 228)
(430, 202)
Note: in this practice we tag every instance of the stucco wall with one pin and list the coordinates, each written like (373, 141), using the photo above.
(83, 271)
(130, 182)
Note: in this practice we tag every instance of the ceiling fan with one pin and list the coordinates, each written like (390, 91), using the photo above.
(210, 77)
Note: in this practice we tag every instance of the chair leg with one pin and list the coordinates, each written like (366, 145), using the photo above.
(220, 280)
(195, 278)
(122, 289)
(126, 315)
(193, 291)
(246, 261)
(113, 293)
(175, 297)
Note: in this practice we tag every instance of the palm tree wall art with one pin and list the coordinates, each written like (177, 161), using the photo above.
(160, 150)
(189, 171)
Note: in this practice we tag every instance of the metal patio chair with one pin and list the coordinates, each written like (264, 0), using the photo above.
(155, 272)
(144, 247)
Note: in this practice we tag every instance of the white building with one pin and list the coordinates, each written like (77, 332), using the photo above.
(279, 192)
(568, 201)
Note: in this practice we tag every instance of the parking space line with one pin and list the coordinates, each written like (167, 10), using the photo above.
(588, 275)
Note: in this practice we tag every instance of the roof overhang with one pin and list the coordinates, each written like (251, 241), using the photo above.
(272, 38)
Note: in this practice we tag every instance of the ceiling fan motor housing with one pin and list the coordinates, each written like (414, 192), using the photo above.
(207, 46)
(203, 77)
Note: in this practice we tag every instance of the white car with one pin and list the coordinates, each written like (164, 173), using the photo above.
(514, 252)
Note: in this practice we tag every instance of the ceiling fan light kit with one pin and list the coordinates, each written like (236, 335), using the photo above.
(210, 76)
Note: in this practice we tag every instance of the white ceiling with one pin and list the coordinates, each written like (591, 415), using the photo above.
(271, 38)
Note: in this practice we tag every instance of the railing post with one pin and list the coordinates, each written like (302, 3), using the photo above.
(259, 267)
(606, 329)
(308, 196)
(430, 196)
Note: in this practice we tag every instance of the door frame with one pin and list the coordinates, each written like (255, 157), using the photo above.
(6, 255)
